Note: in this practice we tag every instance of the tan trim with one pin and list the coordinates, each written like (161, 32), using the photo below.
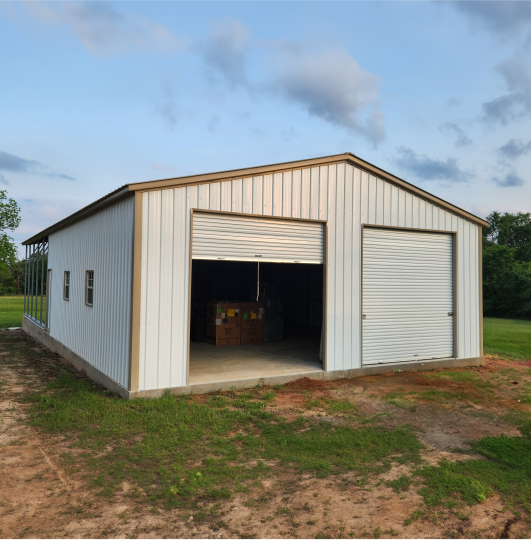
(169, 183)
(361, 300)
(413, 229)
(325, 301)
(258, 216)
(454, 277)
(455, 284)
(93, 208)
(190, 297)
(303, 164)
(136, 293)
(207, 178)
(480, 271)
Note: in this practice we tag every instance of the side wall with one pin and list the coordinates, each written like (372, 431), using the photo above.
(100, 335)
(343, 195)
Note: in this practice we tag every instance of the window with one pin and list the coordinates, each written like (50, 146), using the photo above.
(89, 287)
(66, 286)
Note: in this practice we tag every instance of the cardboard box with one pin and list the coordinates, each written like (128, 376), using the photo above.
(223, 323)
(252, 322)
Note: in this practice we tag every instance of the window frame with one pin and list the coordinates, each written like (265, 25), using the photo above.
(88, 278)
(66, 286)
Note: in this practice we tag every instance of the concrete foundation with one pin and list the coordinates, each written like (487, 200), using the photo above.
(210, 364)
(40, 334)
(204, 384)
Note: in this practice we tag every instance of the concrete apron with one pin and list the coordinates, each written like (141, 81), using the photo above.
(41, 335)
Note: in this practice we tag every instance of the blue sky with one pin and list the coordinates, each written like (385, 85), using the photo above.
(94, 95)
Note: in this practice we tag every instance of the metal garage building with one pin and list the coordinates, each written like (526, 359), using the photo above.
(391, 274)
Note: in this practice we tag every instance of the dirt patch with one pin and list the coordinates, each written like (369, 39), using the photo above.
(305, 383)
(41, 497)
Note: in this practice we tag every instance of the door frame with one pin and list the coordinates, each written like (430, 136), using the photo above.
(240, 214)
(454, 281)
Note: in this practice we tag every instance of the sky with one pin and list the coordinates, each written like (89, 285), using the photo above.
(94, 95)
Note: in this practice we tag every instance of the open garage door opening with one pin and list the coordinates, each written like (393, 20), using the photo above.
(257, 298)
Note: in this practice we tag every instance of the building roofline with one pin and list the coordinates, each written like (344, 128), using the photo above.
(197, 179)
(96, 206)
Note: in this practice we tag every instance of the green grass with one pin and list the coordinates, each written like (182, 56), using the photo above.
(178, 450)
(507, 471)
(508, 338)
(12, 310)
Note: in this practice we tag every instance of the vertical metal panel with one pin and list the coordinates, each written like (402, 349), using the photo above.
(345, 196)
(314, 193)
(100, 334)
(226, 196)
(295, 195)
(267, 194)
(277, 194)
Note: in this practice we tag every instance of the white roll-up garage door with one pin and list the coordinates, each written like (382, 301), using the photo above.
(407, 296)
(243, 238)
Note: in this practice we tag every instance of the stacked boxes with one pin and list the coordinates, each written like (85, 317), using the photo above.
(223, 323)
(252, 322)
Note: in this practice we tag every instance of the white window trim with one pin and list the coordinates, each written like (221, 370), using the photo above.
(87, 287)
(66, 275)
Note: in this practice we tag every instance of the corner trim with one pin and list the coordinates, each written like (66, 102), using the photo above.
(136, 286)
(480, 279)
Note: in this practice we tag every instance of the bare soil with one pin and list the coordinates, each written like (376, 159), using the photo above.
(41, 499)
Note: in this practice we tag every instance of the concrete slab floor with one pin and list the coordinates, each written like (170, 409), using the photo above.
(209, 363)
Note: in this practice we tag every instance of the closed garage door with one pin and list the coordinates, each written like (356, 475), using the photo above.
(407, 296)
(242, 238)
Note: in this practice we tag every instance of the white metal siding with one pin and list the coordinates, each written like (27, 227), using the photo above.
(407, 296)
(343, 195)
(243, 238)
(100, 334)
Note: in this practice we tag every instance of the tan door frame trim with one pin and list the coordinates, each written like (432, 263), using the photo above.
(325, 277)
(480, 279)
(136, 294)
(325, 299)
(454, 277)
(262, 216)
(189, 336)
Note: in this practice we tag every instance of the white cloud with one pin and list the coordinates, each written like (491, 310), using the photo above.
(104, 31)
(225, 50)
(517, 102)
(332, 86)
(328, 84)
(426, 168)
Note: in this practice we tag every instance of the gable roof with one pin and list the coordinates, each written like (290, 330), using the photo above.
(348, 157)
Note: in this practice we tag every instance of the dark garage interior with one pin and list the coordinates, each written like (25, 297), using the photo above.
(292, 297)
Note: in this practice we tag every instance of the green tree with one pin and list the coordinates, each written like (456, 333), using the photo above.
(507, 265)
(9, 221)
(512, 230)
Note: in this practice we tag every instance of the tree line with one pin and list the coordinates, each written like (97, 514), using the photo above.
(507, 265)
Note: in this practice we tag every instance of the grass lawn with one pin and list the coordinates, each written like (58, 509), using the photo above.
(11, 311)
(196, 452)
(508, 338)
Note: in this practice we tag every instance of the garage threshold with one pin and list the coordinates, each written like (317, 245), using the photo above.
(292, 356)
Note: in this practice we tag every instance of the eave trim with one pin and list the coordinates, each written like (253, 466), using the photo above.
(348, 157)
